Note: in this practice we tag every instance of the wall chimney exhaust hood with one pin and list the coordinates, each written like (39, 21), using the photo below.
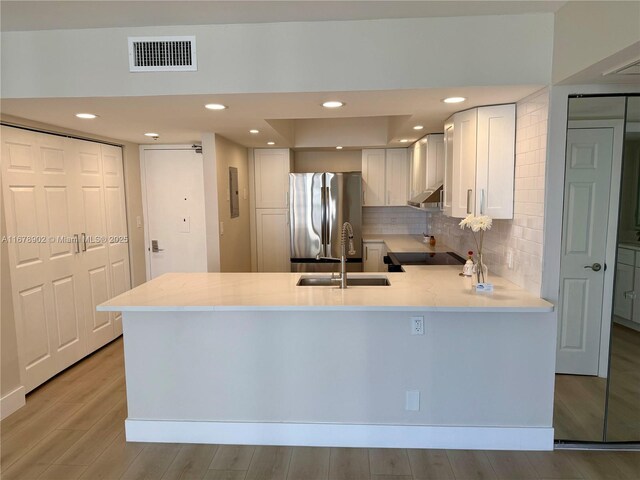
(430, 199)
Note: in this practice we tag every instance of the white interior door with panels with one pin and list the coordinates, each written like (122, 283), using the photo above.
(584, 308)
(54, 203)
(173, 190)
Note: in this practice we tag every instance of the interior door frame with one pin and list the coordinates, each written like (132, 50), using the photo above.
(612, 232)
(145, 207)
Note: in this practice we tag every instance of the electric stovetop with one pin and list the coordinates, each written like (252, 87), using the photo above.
(425, 258)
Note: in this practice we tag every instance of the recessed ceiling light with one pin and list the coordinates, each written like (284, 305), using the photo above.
(85, 115)
(215, 106)
(418, 127)
(338, 147)
(332, 104)
(404, 140)
(271, 143)
(454, 100)
(151, 134)
(253, 130)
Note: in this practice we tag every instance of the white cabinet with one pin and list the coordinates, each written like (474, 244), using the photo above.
(385, 177)
(373, 177)
(480, 162)
(272, 236)
(636, 309)
(272, 167)
(69, 194)
(374, 253)
(623, 292)
(397, 177)
(427, 163)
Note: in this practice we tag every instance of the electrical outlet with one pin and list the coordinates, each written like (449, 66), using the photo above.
(510, 259)
(417, 325)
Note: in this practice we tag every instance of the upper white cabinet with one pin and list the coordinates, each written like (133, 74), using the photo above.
(427, 163)
(385, 177)
(272, 167)
(480, 162)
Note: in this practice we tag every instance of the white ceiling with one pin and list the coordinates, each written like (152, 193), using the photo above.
(182, 119)
(52, 15)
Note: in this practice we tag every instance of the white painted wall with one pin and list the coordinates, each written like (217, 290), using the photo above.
(327, 161)
(586, 33)
(287, 57)
(211, 199)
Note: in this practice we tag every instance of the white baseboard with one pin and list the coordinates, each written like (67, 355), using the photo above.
(11, 402)
(341, 435)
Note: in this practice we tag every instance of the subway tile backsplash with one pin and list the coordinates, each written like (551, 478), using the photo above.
(522, 237)
(398, 220)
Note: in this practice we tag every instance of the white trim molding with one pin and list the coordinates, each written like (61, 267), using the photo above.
(340, 435)
(11, 402)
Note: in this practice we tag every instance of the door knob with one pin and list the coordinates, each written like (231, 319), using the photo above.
(596, 267)
(154, 247)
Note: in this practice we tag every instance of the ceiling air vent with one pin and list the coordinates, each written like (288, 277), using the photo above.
(162, 54)
(632, 68)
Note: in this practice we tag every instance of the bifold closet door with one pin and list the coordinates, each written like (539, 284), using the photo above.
(94, 251)
(37, 180)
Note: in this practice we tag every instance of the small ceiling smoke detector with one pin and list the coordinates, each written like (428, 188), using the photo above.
(333, 104)
(454, 99)
(253, 130)
(215, 106)
(86, 115)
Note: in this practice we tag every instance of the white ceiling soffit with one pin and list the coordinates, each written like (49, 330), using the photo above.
(59, 15)
(277, 116)
(618, 69)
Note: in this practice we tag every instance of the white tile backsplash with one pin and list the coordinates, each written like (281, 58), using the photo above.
(398, 220)
(522, 236)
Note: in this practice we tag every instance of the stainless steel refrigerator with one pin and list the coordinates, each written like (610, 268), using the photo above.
(319, 204)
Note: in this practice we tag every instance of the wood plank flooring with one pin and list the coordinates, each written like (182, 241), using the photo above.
(72, 428)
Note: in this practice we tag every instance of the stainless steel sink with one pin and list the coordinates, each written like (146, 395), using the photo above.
(323, 281)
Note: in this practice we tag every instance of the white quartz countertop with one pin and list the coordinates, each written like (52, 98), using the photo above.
(420, 288)
(405, 243)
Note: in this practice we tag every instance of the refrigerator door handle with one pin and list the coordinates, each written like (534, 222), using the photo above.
(327, 220)
(323, 223)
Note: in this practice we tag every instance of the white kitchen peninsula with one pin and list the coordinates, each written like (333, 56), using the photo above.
(254, 359)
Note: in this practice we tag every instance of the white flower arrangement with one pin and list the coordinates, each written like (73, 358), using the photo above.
(477, 224)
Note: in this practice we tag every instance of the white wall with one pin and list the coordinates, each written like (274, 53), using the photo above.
(586, 33)
(210, 172)
(521, 237)
(287, 57)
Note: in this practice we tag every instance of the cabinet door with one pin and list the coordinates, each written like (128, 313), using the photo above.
(623, 292)
(272, 237)
(435, 159)
(464, 163)
(373, 177)
(418, 160)
(495, 161)
(373, 256)
(636, 300)
(272, 167)
(447, 197)
(397, 177)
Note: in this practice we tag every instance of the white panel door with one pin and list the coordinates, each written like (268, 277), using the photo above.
(272, 167)
(116, 216)
(397, 177)
(447, 196)
(586, 208)
(272, 240)
(37, 174)
(95, 282)
(495, 165)
(175, 213)
(464, 163)
(373, 177)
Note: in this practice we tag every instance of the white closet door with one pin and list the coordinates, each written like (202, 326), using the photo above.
(95, 268)
(116, 218)
(37, 175)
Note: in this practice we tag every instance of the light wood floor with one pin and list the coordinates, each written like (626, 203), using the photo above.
(580, 400)
(72, 427)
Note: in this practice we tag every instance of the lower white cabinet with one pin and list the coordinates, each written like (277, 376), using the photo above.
(374, 253)
(272, 240)
(66, 236)
(626, 295)
(636, 310)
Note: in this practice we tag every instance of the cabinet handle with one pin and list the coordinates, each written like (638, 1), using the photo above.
(366, 253)
(364, 196)
(631, 294)
(77, 242)
(469, 194)
(482, 201)
(84, 241)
